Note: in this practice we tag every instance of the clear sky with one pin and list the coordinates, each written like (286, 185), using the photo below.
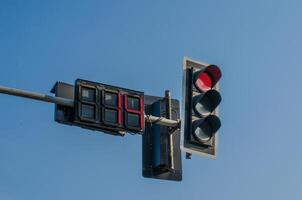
(140, 45)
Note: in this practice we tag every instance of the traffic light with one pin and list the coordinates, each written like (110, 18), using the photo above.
(200, 121)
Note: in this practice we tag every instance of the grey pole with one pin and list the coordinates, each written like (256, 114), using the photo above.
(70, 103)
(169, 116)
(36, 96)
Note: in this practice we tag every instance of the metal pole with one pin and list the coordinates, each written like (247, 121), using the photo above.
(168, 104)
(70, 103)
(169, 116)
(36, 96)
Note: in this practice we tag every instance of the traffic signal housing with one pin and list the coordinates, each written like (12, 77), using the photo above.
(161, 154)
(200, 121)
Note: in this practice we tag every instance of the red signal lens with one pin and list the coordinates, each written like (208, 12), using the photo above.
(204, 81)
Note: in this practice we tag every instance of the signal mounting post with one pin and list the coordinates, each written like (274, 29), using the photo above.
(161, 154)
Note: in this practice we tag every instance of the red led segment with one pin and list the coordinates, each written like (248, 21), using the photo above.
(139, 111)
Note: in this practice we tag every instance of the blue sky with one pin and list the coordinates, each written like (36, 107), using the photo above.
(140, 45)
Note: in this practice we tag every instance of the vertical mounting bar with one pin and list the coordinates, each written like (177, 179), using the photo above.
(169, 116)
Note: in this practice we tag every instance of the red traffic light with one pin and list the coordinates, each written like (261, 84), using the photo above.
(203, 81)
(201, 99)
(207, 78)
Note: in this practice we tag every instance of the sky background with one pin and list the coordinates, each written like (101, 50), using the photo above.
(140, 45)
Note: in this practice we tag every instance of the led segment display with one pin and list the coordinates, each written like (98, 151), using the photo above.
(108, 108)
